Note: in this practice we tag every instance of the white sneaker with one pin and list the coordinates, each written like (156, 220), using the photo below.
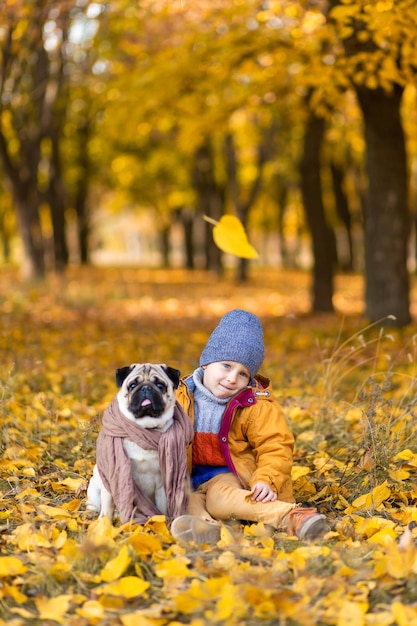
(191, 528)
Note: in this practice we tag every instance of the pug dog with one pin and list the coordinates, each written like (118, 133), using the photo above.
(146, 398)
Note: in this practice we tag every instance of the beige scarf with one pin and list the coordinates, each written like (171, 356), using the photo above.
(114, 465)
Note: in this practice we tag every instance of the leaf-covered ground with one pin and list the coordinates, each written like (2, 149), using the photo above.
(349, 392)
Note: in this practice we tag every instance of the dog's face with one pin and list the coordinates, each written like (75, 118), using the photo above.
(147, 393)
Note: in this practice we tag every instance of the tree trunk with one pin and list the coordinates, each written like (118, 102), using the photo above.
(81, 194)
(211, 202)
(342, 210)
(187, 220)
(242, 207)
(56, 200)
(311, 188)
(164, 239)
(26, 201)
(386, 216)
(5, 232)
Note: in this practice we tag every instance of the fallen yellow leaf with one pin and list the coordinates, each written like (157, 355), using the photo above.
(174, 568)
(404, 615)
(92, 609)
(11, 566)
(53, 608)
(298, 471)
(351, 614)
(116, 567)
(127, 587)
(374, 498)
(13, 592)
(55, 512)
(145, 544)
(101, 532)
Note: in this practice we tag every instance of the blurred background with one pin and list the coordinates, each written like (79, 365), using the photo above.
(123, 124)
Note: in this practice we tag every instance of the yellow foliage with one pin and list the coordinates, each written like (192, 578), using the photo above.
(374, 499)
(53, 608)
(11, 591)
(174, 568)
(352, 614)
(101, 532)
(116, 567)
(127, 587)
(404, 615)
(11, 566)
(91, 609)
(60, 564)
(298, 471)
(145, 544)
(54, 512)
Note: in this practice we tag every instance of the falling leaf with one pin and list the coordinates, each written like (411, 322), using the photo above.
(230, 236)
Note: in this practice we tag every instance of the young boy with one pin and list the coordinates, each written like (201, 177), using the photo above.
(242, 448)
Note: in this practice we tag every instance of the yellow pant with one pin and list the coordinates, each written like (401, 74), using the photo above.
(223, 498)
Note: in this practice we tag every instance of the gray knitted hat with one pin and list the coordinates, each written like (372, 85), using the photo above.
(238, 337)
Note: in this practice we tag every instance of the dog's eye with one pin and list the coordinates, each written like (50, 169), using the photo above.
(132, 386)
(161, 386)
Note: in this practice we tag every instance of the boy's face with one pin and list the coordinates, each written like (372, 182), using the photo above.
(225, 378)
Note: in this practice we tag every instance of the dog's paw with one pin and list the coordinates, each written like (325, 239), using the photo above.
(91, 506)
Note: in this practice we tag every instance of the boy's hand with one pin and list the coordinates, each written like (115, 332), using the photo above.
(262, 492)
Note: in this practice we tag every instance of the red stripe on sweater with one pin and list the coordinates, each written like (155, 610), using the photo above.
(206, 450)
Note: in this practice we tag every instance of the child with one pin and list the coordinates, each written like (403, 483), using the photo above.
(242, 447)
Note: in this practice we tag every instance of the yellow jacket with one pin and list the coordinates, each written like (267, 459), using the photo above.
(255, 438)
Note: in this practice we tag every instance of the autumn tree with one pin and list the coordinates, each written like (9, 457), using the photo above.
(21, 119)
(379, 43)
(321, 234)
(34, 101)
(193, 72)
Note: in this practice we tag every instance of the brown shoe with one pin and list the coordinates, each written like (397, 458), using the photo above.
(307, 524)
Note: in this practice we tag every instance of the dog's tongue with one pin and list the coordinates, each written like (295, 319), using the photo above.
(145, 402)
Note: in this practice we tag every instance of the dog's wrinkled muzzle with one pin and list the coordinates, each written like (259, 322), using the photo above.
(146, 402)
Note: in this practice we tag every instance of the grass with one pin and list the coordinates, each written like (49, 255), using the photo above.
(347, 387)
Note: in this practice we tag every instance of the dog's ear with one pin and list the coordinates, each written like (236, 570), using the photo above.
(122, 373)
(173, 374)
